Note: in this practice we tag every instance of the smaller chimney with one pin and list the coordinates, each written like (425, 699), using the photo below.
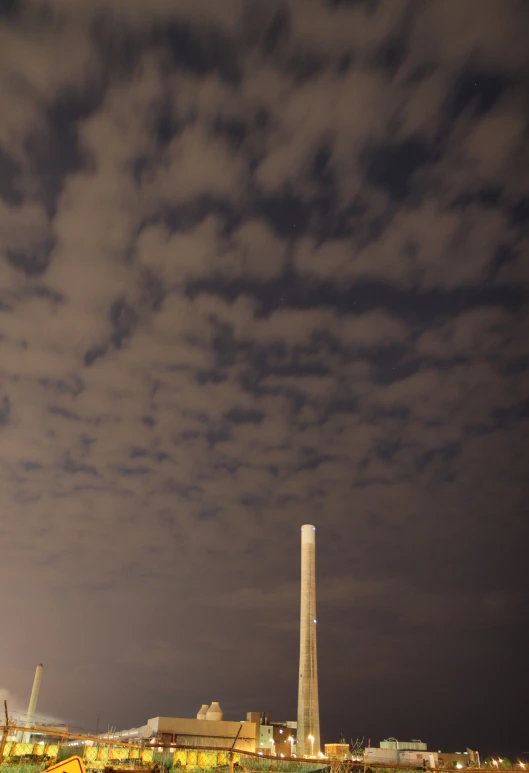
(34, 694)
(30, 716)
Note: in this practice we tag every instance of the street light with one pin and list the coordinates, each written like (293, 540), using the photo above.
(311, 739)
(291, 739)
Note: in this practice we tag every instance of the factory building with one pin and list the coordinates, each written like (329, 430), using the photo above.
(459, 760)
(208, 729)
(277, 738)
(337, 751)
(415, 754)
(415, 745)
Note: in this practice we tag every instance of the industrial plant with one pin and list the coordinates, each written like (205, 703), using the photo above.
(256, 734)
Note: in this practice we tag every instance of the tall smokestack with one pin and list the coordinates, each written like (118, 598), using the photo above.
(308, 733)
(30, 717)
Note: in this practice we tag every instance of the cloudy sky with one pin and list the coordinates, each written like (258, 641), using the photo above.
(264, 263)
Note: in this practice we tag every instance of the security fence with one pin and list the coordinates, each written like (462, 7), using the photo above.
(32, 750)
(41, 748)
(19, 746)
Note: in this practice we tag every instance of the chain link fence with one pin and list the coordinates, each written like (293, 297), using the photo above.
(26, 749)
(30, 750)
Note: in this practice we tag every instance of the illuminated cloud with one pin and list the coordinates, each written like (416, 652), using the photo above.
(262, 266)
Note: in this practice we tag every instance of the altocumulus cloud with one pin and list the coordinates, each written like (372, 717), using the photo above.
(260, 267)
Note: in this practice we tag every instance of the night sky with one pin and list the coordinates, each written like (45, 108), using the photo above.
(265, 264)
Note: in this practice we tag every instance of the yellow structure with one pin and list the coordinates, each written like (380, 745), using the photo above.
(195, 758)
(99, 757)
(18, 749)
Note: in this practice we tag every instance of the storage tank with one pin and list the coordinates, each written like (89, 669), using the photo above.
(203, 711)
(214, 712)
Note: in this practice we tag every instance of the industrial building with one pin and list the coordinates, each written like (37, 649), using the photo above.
(401, 755)
(277, 738)
(459, 760)
(414, 745)
(208, 729)
(337, 751)
(415, 754)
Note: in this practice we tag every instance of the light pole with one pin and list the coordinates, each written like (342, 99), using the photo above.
(311, 739)
(291, 739)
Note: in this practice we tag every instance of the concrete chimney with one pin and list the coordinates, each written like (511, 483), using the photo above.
(308, 732)
(30, 716)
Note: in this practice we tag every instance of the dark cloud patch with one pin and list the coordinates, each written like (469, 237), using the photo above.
(392, 53)
(392, 364)
(234, 131)
(30, 466)
(133, 471)
(303, 66)
(74, 468)
(392, 167)
(209, 513)
(135, 453)
(210, 376)
(518, 412)
(95, 353)
(199, 51)
(446, 454)
(387, 448)
(32, 263)
(359, 297)
(277, 31)
(123, 318)
(520, 212)
(368, 5)
(9, 8)
(240, 416)
(5, 410)
(56, 410)
(217, 435)
(489, 196)
(314, 462)
(56, 153)
(73, 385)
(341, 405)
(10, 172)
(478, 90)
(287, 213)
